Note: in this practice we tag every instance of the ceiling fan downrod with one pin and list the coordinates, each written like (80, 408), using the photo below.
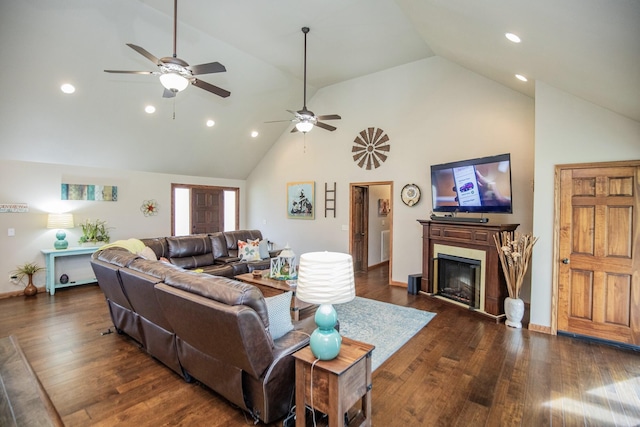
(305, 30)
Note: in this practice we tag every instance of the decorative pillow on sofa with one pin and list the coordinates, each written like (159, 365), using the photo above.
(279, 310)
(148, 253)
(249, 250)
(263, 248)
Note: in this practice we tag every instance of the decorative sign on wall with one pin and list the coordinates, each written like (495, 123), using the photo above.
(14, 207)
(371, 148)
(107, 193)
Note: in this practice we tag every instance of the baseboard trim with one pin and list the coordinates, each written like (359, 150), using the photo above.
(19, 293)
(539, 328)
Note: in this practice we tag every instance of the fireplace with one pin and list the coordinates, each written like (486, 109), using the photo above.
(459, 279)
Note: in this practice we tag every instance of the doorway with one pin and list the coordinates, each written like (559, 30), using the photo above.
(197, 209)
(371, 225)
(596, 287)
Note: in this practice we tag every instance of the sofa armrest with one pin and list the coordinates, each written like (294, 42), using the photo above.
(226, 260)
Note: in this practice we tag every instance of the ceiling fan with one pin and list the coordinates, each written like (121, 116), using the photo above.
(304, 119)
(175, 73)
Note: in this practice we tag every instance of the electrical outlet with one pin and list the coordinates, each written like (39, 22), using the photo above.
(13, 278)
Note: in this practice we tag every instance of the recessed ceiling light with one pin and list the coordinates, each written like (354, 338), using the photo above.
(210, 123)
(67, 88)
(150, 109)
(254, 134)
(521, 77)
(512, 37)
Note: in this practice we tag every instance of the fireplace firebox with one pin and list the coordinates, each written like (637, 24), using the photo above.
(459, 279)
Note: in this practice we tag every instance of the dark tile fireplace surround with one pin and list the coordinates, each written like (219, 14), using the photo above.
(464, 282)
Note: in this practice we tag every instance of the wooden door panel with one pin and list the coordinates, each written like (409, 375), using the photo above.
(598, 278)
(207, 210)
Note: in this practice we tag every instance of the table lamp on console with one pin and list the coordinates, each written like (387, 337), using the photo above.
(325, 278)
(60, 221)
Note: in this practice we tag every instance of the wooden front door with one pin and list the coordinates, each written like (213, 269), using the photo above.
(207, 210)
(360, 224)
(599, 244)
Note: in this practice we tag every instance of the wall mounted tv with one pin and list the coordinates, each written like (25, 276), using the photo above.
(476, 185)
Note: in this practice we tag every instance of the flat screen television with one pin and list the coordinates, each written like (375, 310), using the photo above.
(480, 185)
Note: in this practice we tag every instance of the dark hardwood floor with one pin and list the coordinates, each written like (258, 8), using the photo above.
(460, 370)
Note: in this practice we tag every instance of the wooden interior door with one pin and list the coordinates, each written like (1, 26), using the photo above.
(599, 241)
(359, 227)
(207, 210)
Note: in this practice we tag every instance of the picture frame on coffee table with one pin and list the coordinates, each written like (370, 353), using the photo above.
(301, 200)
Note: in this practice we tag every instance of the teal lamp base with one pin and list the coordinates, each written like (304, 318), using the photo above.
(325, 341)
(61, 243)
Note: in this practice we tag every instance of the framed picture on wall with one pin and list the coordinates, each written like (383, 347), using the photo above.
(383, 207)
(301, 200)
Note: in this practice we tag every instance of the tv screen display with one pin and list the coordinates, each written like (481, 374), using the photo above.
(476, 185)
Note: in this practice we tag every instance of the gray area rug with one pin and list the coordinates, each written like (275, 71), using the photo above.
(387, 326)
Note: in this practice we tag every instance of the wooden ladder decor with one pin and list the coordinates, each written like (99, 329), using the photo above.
(329, 199)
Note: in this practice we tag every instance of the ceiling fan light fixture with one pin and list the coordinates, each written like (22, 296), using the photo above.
(174, 82)
(304, 126)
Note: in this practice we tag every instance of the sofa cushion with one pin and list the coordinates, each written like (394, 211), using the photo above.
(118, 256)
(263, 248)
(158, 269)
(279, 310)
(219, 245)
(249, 250)
(148, 253)
(221, 289)
(190, 251)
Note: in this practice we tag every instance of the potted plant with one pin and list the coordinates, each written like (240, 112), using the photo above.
(514, 251)
(27, 270)
(94, 232)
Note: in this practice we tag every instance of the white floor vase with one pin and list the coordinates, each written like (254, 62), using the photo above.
(514, 309)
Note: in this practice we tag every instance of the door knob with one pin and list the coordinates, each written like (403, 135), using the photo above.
(565, 260)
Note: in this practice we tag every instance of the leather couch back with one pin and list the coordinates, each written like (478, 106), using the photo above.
(190, 251)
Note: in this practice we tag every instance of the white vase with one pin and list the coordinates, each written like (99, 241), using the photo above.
(514, 309)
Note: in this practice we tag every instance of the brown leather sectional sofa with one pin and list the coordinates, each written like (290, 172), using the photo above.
(210, 328)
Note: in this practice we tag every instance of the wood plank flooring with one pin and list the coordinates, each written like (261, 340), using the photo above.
(460, 370)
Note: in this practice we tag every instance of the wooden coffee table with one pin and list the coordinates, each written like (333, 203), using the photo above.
(271, 287)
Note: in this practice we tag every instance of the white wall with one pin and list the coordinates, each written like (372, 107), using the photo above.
(433, 112)
(38, 185)
(568, 130)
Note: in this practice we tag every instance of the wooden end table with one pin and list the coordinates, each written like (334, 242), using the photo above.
(271, 287)
(338, 384)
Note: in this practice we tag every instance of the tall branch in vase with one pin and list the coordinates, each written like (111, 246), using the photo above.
(514, 251)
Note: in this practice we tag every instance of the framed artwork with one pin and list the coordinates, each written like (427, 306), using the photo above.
(301, 200)
(383, 207)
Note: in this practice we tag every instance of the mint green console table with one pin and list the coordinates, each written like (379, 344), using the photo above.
(50, 256)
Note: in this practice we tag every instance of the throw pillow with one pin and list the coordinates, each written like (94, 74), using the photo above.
(148, 253)
(248, 251)
(263, 248)
(279, 310)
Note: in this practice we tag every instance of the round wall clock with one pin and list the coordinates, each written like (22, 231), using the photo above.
(371, 148)
(410, 194)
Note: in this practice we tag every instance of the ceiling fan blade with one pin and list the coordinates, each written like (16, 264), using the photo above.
(294, 130)
(212, 67)
(168, 93)
(142, 51)
(280, 121)
(130, 72)
(210, 88)
(329, 117)
(326, 126)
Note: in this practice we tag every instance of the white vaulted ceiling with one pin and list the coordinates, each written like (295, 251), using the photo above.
(589, 48)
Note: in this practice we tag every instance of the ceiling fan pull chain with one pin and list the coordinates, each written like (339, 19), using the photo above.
(174, 108)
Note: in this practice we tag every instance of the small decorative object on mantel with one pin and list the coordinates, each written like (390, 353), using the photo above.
(94, 233)
(283, 266)
(371, 148)
(28, 270)
(149, 207)
(514, 250)
(410, 194)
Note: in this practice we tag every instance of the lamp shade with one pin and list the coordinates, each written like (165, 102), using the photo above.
(174, 82)
(60, 221)
(325, 278)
